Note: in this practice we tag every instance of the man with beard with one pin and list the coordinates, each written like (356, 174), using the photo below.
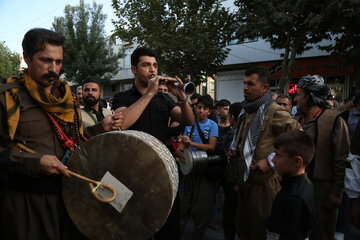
(327, 170)
(92, 113)
(39, 112)
(260, 121)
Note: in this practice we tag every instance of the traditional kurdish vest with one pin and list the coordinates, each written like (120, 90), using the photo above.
(323, 168)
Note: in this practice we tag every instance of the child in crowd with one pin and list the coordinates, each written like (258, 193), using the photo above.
(196, 191)
(292, 213)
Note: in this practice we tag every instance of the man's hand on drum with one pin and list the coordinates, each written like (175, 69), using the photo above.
(186, 140)
(113, 122)
(50, 164)
(180, 153)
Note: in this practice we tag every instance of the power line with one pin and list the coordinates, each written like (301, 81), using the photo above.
(240, 57)
(262, 50)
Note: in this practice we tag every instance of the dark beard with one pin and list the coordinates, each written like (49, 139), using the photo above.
(90, 103)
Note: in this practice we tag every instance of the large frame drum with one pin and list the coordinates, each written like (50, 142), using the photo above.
(140, 162)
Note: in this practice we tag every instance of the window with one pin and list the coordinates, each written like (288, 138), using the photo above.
(212, 86)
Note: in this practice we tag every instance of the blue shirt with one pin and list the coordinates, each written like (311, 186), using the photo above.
(208, 127)
(352, 121)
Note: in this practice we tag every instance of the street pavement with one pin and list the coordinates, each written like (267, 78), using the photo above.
(210, 234)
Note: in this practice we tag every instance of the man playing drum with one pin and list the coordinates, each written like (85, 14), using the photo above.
(39, 112)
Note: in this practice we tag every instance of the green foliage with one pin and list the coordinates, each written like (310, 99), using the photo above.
(292, 25)
(189, 36)
(343, 21)
(9, 62)
(87, 51)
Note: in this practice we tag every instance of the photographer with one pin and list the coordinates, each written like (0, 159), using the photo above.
(196, 190)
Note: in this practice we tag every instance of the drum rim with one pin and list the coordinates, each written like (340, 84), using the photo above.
(172, 184)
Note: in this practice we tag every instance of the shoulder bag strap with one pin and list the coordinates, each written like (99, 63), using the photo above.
(203, 139)
(92, 116)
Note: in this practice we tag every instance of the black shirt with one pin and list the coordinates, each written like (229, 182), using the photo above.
(154, 119)
(292, 213)
(226, 135)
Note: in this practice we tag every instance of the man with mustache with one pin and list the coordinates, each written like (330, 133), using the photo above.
(39, 112)
(79, 95)
(259, 123)
(92, 113)
(331, 137)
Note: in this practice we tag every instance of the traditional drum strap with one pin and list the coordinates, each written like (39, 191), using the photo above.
(63, 138)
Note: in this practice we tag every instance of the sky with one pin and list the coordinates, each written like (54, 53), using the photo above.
(19, 16)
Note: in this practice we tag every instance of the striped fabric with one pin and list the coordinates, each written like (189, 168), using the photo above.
(261, 106)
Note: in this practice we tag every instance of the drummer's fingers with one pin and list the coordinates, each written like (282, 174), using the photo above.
(185, 139)
(50, 164)
(116, 124)
(118, 115)
(61, 169)
(181, 154)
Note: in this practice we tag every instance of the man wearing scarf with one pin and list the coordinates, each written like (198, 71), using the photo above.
(327, 170)
(259, 123)
(38, 111)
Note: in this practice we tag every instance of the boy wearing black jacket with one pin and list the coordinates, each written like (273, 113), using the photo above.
(292, 213)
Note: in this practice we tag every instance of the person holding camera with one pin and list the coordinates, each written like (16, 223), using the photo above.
(197, 191)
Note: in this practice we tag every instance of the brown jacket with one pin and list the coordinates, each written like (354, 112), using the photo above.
(34, 131)
(32, 206)
(276, 121)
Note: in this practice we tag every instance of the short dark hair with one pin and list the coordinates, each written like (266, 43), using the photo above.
(223, 103)
(206, 100)
(139, 52)
(296, 143)
(93, 80)
(262, 72)
(284, 96)
(356, 99)
(235, 109)
(35, 39)
(194, 96)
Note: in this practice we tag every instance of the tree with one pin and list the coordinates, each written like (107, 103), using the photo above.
(346, 29)
(292, 25)
(9, 62)
(189, 36)
(87, 50)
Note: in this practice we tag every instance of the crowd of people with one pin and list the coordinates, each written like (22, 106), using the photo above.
(285, 163)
